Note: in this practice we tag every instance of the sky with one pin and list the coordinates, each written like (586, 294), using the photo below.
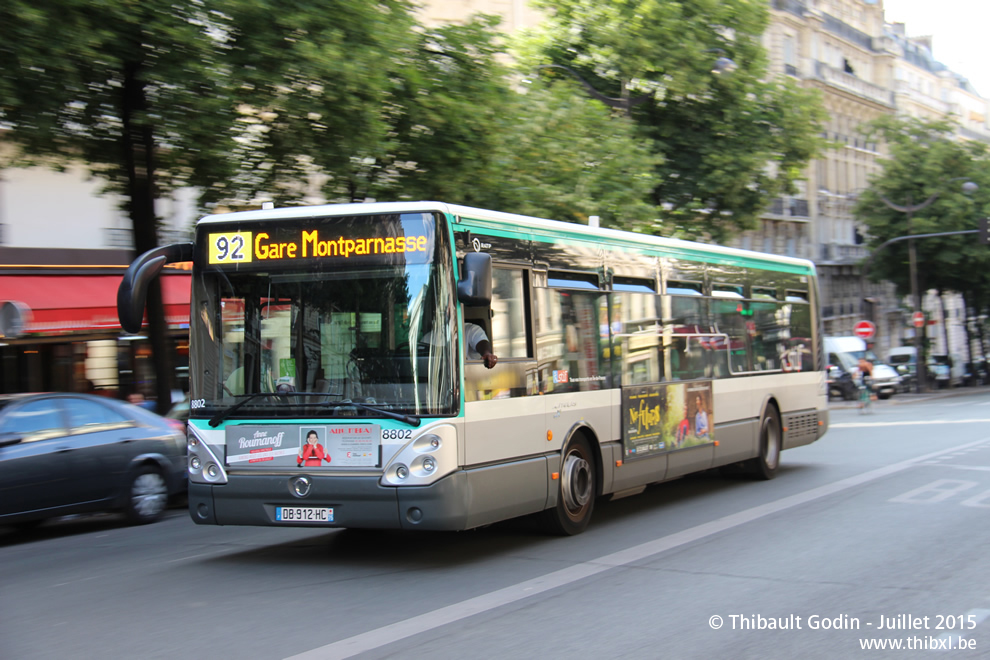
(961, 31)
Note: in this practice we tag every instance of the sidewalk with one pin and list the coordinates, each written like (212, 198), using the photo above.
(912, 397)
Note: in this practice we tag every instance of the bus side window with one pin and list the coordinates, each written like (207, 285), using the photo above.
(687, 342)
(507, 327)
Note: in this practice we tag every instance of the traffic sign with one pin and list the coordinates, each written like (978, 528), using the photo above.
(918, 319)
(865, 330)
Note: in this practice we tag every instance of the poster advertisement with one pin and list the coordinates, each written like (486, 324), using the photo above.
(659, 418)
(291, 446)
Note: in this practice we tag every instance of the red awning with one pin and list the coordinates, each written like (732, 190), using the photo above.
(70, 303)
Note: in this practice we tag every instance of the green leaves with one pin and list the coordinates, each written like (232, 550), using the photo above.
(926, 172)
(725, 145)
(346, 100)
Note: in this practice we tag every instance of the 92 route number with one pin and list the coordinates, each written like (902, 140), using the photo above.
(230, 248)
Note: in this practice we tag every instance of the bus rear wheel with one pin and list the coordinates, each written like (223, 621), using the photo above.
(765, 465)
(576, 494)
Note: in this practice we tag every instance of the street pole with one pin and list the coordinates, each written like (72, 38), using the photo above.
(920, 364)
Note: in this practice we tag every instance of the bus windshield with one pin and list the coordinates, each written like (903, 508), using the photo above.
(327, 337)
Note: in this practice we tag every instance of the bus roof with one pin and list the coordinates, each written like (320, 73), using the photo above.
(537, 228)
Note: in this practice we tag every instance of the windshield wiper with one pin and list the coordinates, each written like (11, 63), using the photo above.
(227, 412)
(411, 420)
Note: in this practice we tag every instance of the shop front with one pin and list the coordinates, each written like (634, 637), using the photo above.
(59, 332)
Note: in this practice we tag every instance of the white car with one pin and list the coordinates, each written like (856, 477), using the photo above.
(886, 381)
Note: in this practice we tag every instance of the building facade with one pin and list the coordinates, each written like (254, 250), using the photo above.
(863, 67)
(63, 251)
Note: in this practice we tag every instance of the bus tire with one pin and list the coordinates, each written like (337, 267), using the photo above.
(576, 490)
(765, 465)
(146, 496)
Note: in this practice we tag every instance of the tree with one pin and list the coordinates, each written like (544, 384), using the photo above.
(927, 164)
(726, 145)
(563, 157)
(318, 87)
(135, 91)
(926, 161)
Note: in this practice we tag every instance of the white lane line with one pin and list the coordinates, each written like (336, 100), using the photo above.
(919, 422)
(974, 468)
(373, 639)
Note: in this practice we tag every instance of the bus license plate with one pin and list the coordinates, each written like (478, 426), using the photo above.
(303, 514)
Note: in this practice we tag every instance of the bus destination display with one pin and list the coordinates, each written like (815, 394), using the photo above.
(243, 247)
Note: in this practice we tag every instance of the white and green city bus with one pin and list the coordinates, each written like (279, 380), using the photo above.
(330, 386)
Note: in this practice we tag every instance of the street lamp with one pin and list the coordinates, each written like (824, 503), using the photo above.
(723, 64)
(910, 209)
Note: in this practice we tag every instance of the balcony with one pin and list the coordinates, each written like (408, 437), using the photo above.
(843, 253)
(795, 7)
(115, 237)
(903, 88)
(781, 208)
(850, 83)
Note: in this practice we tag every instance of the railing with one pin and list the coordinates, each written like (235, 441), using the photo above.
(799, 208)
(851, 83)
(118, 237)
(903, 87)
(846, 31)
(789, 208)
(115, 237)
(795, 7)
(843, 253)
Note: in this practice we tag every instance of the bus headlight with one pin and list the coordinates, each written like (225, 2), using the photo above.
(203, 465)
(425, 459)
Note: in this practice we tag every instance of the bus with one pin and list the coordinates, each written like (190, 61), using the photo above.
(330, 385)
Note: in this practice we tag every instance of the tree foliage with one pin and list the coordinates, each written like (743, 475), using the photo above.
(726, 145)
(316, 88)
(566, 158)
(927, 163)
(132, 89)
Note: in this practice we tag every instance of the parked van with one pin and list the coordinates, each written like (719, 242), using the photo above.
(847, 351)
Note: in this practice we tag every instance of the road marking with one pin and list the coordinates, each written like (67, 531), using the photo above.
(974, 468)
(940, 422)
(379, 637)
(936, 491)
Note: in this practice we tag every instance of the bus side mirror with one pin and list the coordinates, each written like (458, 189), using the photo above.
(475, 288)
(133, 289)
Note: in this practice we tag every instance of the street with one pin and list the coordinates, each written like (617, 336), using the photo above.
(874, 537)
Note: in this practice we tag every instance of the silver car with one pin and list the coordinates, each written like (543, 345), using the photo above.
(76, 453)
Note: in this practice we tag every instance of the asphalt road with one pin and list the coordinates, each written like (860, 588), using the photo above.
(881, 523)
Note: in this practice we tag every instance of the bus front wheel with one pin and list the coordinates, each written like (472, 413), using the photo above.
(765, 465)
(576, 490)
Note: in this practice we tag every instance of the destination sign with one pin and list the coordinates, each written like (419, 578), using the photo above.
(406, 241)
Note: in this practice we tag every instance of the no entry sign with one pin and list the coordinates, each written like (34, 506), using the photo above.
(865, 330)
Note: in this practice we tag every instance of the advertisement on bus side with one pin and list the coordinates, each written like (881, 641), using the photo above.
(663, 417)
